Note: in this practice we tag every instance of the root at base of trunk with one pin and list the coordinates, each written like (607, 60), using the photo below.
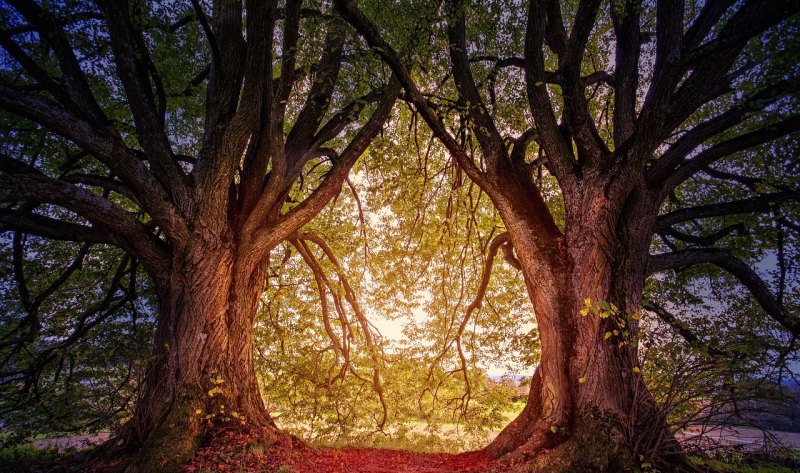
(594, 446)
(184, 431)
(171, 443)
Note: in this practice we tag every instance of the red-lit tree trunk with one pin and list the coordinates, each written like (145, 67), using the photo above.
(587, 398)
(202, 367)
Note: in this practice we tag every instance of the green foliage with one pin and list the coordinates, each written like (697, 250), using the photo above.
(25, 455)
(779, 461)
(82, 372)
(414, 239)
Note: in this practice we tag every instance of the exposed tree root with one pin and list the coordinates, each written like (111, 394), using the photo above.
(592, 447)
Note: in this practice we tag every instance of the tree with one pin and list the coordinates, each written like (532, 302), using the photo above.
(623, 105)
(195, 142)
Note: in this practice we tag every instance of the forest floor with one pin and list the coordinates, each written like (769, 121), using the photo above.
(245, 451)
(270, 451)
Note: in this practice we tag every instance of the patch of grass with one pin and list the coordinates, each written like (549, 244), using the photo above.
(424, 441)
(779, 461)
(26, 454)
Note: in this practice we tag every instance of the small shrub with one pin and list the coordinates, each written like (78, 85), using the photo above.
(25, 454)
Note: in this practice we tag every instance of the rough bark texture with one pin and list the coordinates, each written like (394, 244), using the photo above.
(202, 370)
(212, 218)
(587, 397)
(586, 378)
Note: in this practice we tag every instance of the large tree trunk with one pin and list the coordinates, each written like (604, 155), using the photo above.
(202, 371)
(588, 406)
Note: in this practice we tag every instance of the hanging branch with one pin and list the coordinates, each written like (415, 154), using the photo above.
(340, 346)
(363, 321)
(497, 242)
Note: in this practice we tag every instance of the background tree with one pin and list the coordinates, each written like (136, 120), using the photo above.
(624, 104)
(195, 138)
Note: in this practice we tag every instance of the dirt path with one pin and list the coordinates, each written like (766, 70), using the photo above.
(241, 452)
(367, 460)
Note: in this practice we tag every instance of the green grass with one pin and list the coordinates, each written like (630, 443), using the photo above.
(784, 461)
(26, 454)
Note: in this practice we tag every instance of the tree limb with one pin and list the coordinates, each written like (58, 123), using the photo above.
(725, 260)
(691, 338)
(760, 203)
(96, 209)
(765, 134)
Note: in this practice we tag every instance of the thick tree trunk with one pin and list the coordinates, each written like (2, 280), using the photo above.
(588, 406)
(202, 370)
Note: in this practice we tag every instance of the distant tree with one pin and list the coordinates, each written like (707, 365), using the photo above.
(196, 138)
(625, 104)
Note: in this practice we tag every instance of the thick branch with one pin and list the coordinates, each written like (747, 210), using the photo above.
(98, 210)
(711, 61)
(469, 98)
(728, 147)
(318, 101)
(262, 239)
(559, 153)
(576, 106)
(761, 203)
(133, 62)
(626, 70)
(725, 260)
(104, 144)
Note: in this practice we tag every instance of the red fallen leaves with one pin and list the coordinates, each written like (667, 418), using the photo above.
(267, 450)
(369, 460)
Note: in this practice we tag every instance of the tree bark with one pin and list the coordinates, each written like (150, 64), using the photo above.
(588, 404)
(201, 372)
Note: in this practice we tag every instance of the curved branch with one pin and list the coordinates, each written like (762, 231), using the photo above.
(98, 210)
(500, 241)
(707, 240)
(105, 183)
(746, 275)
(761, 203)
